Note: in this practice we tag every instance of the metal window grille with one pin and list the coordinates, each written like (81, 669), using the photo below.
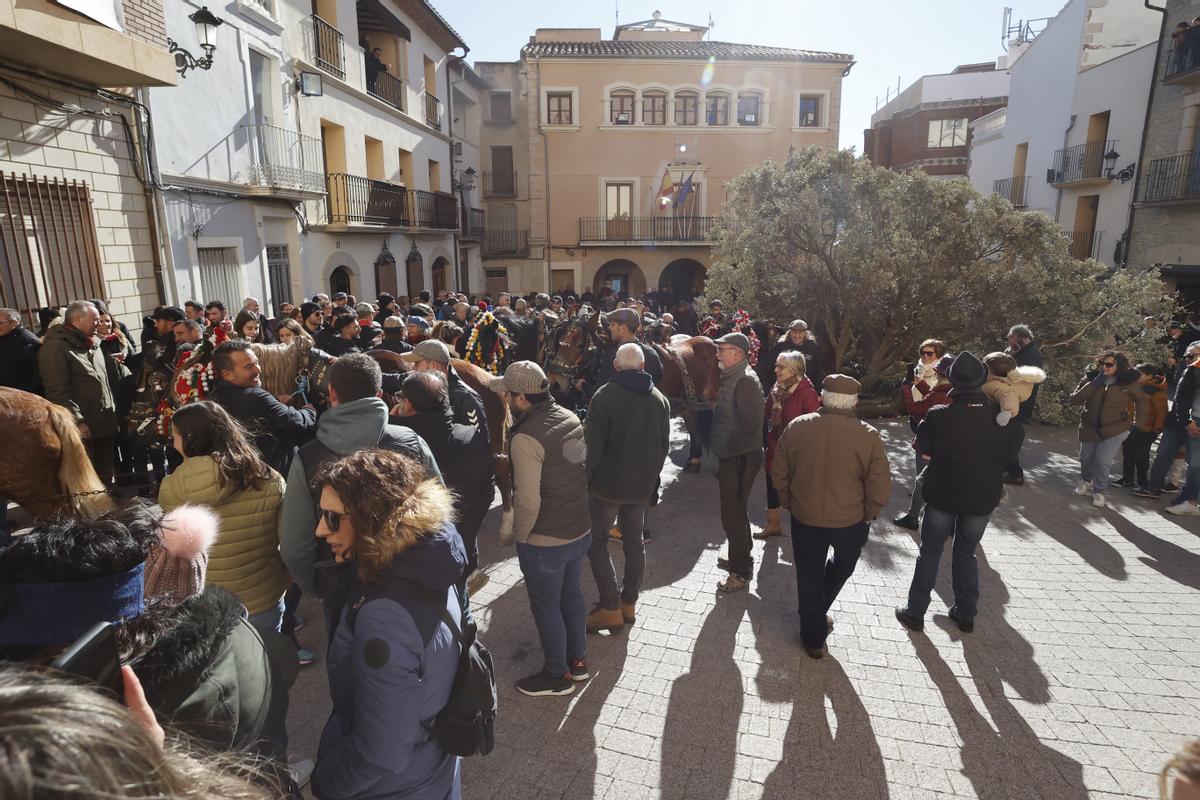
(48, 249)
(279, 273)
(220, 275)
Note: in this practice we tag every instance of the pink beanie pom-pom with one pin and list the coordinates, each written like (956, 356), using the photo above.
(188, 531)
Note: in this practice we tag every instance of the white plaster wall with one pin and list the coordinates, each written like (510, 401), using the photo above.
(943, 88)
(1117, 27)
(991, 158)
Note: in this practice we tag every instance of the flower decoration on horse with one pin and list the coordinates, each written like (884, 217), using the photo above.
(487, 344)
(193, 378)
(741, 324)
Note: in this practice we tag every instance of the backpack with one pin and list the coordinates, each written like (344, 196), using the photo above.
(466, 724)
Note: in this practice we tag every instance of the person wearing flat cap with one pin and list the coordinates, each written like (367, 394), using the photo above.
(736, 441)
(964, 483)
(798, 337)
(832, 474)
(623, 324)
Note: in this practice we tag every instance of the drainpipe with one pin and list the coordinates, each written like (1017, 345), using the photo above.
(1058, 197)
(546, 166)
(450, 132)
(1127, 238)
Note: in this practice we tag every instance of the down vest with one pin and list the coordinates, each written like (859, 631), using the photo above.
(245, 558)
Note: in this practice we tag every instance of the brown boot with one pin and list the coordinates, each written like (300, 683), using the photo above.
(772, 528)
(629, 612)
(603, 619)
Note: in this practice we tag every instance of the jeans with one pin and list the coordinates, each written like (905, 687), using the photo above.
(1173, 439)
(269, 620)
(630, 518)
(556, 599)
(1135, 464)
(100, 452)
(1096, 458)
(937, 527)
(819, 577)
(918, 497)
(735, 478)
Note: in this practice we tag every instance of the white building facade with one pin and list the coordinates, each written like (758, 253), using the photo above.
(1068, 141)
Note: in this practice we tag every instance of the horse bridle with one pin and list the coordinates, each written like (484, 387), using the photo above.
(556, 364)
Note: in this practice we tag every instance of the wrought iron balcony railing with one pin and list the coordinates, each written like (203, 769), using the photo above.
(645, 229)
(355, 200)
(1012, 189)
(1174, 178)
(1080, 163)
(388, 88)
(473, 223)
(433, 112)
(499, 184)
(284, 159)
(505, 243)
(328, 48)
(1085, 244)
(1184, 58)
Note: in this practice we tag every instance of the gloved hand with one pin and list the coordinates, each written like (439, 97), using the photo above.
(1002, 418)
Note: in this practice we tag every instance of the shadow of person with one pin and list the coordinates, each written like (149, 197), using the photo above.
(1059, 521)
(1177, 563)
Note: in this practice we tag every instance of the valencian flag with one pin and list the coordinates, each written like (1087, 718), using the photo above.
(685, 190)
(667, 189)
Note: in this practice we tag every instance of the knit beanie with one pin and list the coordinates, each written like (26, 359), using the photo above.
(177, 565)
(307, 310)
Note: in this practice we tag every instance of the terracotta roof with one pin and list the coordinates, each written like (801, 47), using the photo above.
(610, 48)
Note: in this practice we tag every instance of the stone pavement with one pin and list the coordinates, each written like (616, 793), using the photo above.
(1078, 682)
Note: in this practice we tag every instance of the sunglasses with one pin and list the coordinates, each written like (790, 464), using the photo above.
(333, 519)
(1109, 364)
(928, 353)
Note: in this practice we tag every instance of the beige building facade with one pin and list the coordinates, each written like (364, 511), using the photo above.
(579, 134)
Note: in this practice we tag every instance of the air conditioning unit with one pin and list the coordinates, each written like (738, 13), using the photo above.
(623, 118)
(458, 149)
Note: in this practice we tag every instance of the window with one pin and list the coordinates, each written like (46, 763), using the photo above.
(948, 133)
(558, 109)
(716, 109)
(810, 111)
(685, 108)
(654, 108)
(622, 108)
(501, 107)
(220, 274)
(618, 200)
(748, 109)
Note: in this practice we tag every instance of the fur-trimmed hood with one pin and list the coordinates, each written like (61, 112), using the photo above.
(428, 550)
(1032, 375)
(193, 636)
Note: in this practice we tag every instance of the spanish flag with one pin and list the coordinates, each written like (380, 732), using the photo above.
(667, 189)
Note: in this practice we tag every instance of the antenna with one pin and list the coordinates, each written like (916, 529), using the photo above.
(617, 11)
(711, 24)
(1004, 26)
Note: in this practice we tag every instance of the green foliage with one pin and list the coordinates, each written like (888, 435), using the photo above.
(877, 260)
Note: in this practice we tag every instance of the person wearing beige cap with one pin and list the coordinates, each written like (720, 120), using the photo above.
(550, 523)
(832, 473)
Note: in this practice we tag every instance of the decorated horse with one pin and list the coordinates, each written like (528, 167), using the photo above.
(44, 465)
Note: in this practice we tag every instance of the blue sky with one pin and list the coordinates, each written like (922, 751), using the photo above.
(889, 39)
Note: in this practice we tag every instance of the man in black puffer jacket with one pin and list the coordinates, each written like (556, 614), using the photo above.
(18, 353)
(966, 451)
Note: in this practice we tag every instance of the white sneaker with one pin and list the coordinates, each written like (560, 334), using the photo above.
(1184, 509)
(301, 771)
(1084, 487)
(1098, 500)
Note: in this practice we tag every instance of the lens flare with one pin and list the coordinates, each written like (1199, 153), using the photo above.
(709, 69)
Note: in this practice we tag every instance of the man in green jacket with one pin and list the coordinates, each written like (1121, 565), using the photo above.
(78, 376)
(628, 432)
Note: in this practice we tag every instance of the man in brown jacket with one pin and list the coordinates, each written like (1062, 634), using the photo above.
(831, 472)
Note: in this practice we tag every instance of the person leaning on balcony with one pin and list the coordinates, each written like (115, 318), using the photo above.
(375, 65)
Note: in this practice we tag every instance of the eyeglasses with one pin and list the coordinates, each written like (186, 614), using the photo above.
(928, 353)
(333, 519)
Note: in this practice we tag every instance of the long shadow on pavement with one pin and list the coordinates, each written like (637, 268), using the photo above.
(1177, 563)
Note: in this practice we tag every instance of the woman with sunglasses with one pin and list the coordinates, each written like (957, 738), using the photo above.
(923, 378)
(1105, 394)
(392, 656)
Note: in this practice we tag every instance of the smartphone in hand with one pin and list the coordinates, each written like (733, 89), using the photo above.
(94, 656)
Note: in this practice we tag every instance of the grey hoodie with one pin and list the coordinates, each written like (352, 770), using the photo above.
(346, 428)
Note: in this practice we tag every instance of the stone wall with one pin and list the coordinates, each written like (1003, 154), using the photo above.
(45, 142)
(144, 21)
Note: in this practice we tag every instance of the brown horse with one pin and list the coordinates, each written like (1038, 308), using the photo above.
(498, 421)
(44, 466)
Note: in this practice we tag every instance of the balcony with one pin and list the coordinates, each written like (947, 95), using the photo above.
(433, 112)
(473, 223)
(327, 47)
(355, 200)
(1183, 62)
(1084, 244)
(1083, 163)
(514, 244)
(1012, 189)
(1173, 179)
(283, 160)
(499, 184)
(388, 88)
(621, 230)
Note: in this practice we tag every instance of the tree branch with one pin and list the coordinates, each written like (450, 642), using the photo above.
(1079, 335)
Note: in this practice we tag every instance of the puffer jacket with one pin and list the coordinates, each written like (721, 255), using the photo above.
(1014, 388)
(1155, 417)
(245, 558)
(1106, 408)
(77, 375)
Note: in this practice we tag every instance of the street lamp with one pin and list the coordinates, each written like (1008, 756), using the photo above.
(206, 32)
(465, 181)
(1110, 161)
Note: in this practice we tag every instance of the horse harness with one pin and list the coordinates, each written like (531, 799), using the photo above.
(690, 396)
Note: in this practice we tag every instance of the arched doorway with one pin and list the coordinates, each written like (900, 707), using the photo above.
(439, 270)
(620, 275)
(683, 278)
(339, 281)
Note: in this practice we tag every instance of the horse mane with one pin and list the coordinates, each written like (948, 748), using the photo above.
(75, 471)
(279, 364)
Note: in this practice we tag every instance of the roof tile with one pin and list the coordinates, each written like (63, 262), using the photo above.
(610, 48)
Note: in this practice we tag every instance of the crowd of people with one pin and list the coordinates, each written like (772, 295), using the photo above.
(377, 511)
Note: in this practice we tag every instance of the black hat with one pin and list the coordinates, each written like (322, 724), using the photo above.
(340, 321)
(172, 313)
(967, 373)
(308, 309)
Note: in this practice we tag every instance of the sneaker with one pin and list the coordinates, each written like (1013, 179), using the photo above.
(579, 670)
(542, 684)
(1084, 487)
(306, 657)
(909, 521)
(734, 583)
(1184, 508)
(1146, 491)
(1126, 483)
(1098, 500)
(300, 771)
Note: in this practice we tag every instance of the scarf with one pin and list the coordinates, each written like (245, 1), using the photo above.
(780, 392)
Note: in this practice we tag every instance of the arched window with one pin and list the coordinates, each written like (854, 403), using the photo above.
(716, 108)
(339, 281)
(749, 109)
(654, 108)
(686, 108)
(622, 108)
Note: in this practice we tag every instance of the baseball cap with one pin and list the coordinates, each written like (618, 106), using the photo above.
(428, 350)
(172, 313)
(521, 377)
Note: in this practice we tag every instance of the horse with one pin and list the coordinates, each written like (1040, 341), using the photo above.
(498, 421)
(44, 466)
(286, 369)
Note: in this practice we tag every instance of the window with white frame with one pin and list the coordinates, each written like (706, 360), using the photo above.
(621, 112)
(618, 200)
(716, 109)
(686, 106)
(654, 108)
(220, 274)
(947, 133)
(559, 109)
(810, 111)
(749, 109)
